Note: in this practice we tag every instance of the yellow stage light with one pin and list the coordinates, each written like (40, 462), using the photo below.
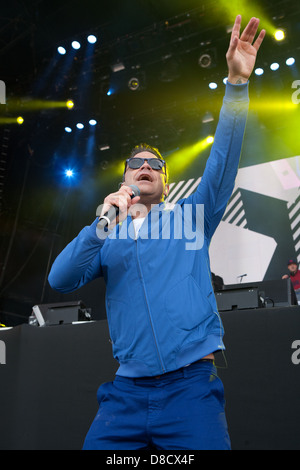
(273, 105)
(229, 10)
(180, 160)
(16, 104)
(11, 120)
(70, 104)
(279, 35)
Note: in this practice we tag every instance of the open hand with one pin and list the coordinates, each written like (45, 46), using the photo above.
(241, 54)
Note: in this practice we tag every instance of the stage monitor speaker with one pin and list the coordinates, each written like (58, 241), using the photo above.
(59, 313)
(238, 299)
(277, 293)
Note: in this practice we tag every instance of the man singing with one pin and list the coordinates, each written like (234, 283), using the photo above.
(162, 315)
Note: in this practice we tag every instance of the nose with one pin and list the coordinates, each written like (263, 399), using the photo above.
(146, 165)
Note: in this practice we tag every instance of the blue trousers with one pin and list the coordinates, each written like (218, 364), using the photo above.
(181, 410)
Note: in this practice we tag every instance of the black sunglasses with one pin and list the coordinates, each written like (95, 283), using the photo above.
(136, 162)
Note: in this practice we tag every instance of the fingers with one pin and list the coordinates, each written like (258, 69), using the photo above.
(235, 33)
(249, 32)
(116, 200)
(121, 199)
(236, 28)
(127, 189)
(259, 39)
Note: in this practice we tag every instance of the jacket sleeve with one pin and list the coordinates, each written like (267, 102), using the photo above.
(79, 263)
(217, 183)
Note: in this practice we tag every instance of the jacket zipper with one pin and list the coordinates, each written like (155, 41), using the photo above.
(151, 323)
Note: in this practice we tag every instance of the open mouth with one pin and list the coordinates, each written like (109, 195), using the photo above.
(145, 177)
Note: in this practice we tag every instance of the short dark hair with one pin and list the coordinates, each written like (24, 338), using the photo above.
(146, 148)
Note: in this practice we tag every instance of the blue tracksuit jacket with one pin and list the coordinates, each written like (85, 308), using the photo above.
(160, 304)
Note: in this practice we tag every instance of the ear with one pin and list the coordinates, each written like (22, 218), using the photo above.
(166, 190)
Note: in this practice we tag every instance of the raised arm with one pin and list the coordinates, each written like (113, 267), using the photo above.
(217, 183)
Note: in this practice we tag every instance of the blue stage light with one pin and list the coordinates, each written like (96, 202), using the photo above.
(213, 86)
(92, 39)
(79, 125)
(92, 122)
(61, 50)
(69, 173)
(274, 66)
(76, 45)
(68, 129)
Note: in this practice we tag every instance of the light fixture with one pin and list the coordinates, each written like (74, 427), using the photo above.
(133, 84)
(208, 117)
(79, 125)
(92, 39)
(212, 85)
(92, 122)
(258, 71)
(117, 67)
(205, 60)
(279, 35)
(76, 45)
(70, 104)
(274, 66)
(61, 50)
(290, 61)
(68, 129)
(69, 173)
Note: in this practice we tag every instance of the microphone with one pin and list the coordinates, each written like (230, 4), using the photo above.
(113, 212)
(241, 276)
